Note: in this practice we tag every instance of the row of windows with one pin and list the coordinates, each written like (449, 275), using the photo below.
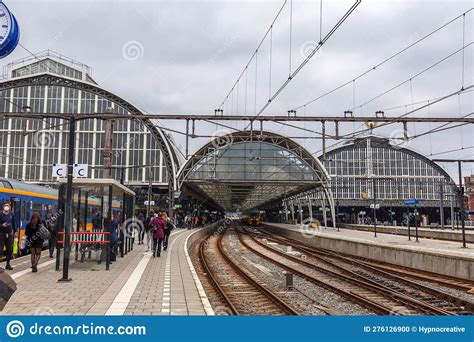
(395, 189)
(378, 161)
(51, 134)
(47, 65)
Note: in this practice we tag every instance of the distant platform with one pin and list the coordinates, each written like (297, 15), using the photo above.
(426, 232)
(439, 256)
(136, 284)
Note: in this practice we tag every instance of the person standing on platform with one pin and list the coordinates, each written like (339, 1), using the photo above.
(114, 237)
(8, 231)
(97, 222)
(111, 227)
(50, 224)
(169, 226)
(158, 228)
(149, 233)
(141, 228)
(33, 239)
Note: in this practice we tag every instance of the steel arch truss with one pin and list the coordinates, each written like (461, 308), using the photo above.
(48, 79)
(226, 189)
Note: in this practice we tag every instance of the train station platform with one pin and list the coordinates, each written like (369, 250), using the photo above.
(439, 256)
(425, 232)
(136, 284)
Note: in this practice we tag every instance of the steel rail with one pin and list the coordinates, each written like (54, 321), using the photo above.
(357, 281)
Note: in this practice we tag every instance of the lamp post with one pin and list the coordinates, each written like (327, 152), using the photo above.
(69, 199)
(375, 205)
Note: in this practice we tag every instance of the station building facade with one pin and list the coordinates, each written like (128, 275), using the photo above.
(52, 83)
(373, 167)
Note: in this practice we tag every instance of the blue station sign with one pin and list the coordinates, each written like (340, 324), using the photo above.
(9, 31)
(411, 202)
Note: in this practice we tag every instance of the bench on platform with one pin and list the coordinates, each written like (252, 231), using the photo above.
(88, 242)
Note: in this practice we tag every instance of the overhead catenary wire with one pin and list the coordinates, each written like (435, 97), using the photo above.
(310, 55)
(359, 132)
(414, 76)
(386, 60)
(255, 52)
(453, 150)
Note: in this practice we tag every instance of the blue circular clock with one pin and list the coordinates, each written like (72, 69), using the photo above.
(9, 31)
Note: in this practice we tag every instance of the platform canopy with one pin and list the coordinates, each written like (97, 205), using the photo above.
(248, 169)
(99, 186)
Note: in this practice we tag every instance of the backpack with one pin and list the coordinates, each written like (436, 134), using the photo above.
(153, 227)
(169, 225)
(44, 232)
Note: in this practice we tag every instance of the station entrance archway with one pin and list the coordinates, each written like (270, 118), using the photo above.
(248, 170)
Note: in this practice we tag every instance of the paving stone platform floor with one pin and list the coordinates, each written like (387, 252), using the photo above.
(136, 284)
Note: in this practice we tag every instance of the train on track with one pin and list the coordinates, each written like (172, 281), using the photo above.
(28, 198)
(253, 218)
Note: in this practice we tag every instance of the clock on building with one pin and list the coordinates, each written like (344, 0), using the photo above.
(9, 31)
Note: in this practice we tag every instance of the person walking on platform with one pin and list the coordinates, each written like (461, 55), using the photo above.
(169, 226)
(8, 231)
(158, 228)
(141, 228)
(50, 224)
(34, 240)
(148, 232)
(111, 227)
(97, 222)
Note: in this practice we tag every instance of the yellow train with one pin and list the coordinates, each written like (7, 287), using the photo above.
(29, 198)
(254, 218)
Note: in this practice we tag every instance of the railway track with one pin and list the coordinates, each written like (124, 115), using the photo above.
(380, 298)
(440, 279)
(389, 280)
(241, 292)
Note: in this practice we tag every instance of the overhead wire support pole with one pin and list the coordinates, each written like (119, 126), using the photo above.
(323, 128)
(320, 21)
(270, 71)
(463, 53)
(291, 39)
(187, 138)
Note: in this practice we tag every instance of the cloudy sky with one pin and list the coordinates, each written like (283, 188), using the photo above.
(184, 56)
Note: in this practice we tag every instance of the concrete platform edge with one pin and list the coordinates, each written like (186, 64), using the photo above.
(437, 262)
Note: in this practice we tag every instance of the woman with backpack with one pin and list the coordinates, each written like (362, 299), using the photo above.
(158, 230)
(34, 239)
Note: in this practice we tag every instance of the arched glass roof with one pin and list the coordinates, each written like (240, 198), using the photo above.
(245, 170)
(255, 161)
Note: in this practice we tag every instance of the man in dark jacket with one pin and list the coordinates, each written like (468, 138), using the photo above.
(169, 226)
(8, 231)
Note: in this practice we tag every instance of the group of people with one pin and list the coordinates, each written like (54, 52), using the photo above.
(191, 221)
(36, 231)
(158, 227)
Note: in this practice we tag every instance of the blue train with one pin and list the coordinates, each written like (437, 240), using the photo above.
(29, 198)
